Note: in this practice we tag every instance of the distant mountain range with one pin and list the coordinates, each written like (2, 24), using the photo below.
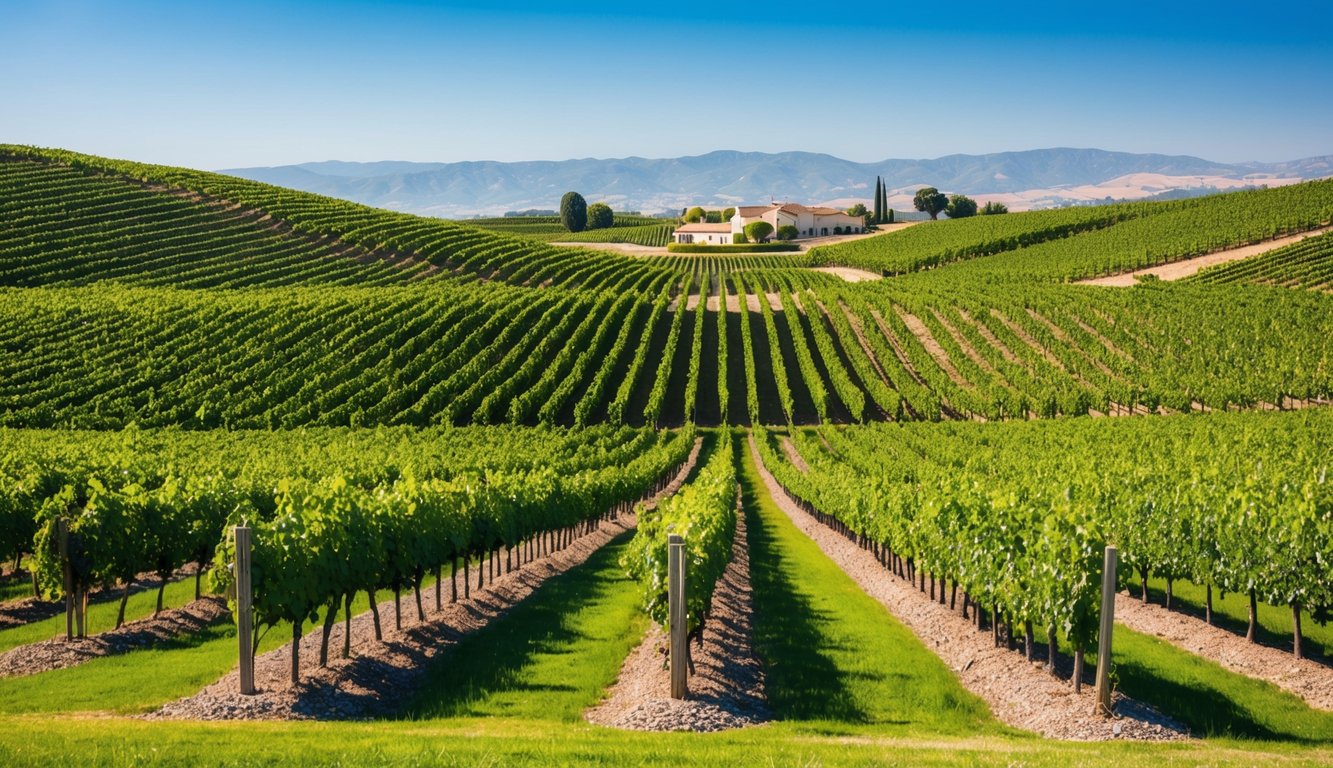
(1039, 178)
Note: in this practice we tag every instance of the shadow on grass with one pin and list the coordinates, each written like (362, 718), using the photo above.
(494, 659)
(802, 682)
(1212, 701)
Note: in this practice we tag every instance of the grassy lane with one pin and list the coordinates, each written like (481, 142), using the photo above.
(1213, 701)
(835, 656)
(551, 656)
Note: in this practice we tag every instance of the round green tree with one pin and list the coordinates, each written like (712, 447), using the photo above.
(788, 232)
(694, 215)
(600, 216)
(930, 200)
(758, 231)
(960, 207)
(573, 212)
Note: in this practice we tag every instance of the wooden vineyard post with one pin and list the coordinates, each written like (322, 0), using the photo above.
(244, 610)
(676, 614)
(62, 542)
(1103, 705)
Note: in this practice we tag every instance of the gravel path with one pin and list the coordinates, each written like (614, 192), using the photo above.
(727, 689)
(1021, 694)
(1307, 679)
(379, 676)
(58, 653)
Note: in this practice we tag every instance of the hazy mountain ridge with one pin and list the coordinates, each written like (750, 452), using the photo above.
(728, 177)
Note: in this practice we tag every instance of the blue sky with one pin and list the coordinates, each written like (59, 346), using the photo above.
(228, 84)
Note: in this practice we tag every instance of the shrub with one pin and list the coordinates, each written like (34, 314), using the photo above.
(600, 216)
(758, 231)
(787, 232)
(739, 238)
(746, 248)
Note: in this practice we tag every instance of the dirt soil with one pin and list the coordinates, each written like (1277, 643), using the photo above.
(1020, 694)
(727, 688)
(850, 274)
(379, 675)
(794, 456)
(1307, 679)
(57, 653)
(1186, 267)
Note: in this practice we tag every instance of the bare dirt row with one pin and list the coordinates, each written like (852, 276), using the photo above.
(1020, 693)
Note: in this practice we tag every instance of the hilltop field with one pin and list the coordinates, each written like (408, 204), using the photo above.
(460, 447)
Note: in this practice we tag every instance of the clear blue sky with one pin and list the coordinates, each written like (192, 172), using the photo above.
(227, 84)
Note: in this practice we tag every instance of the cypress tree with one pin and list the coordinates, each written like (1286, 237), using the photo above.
(889, 219)
(883, 202)
(879, 210)
(574, 212)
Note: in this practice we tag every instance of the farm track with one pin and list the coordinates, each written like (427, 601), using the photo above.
(1021, 694)
(1305, 678)
(1178, 270)
(374, 681)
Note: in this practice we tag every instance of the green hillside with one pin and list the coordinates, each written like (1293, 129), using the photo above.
(302, 310)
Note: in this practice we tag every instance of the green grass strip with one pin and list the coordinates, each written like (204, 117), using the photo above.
(551, 657)
(1213, 701)
(834, 655)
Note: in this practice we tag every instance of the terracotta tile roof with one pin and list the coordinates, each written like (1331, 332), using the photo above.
(704, 227)
(750, 211)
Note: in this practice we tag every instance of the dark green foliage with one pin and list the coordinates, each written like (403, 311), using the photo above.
(789, 232)
(574, 212)
(758, 231)
(992, 208)
(960, 207)
(930, 200)
(600, 216)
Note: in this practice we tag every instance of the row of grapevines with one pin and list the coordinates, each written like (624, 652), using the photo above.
(704, 514)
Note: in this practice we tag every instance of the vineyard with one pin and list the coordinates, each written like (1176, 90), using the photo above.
(635, 230)
(1307, 264)
(442, 463)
